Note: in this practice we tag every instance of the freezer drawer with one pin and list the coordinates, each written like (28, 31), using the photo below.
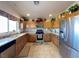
(77, 54)
(67, 52)
(64, 50)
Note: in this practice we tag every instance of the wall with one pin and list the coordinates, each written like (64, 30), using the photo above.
(5, 7)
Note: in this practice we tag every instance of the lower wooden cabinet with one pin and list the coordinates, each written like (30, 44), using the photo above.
(20, 43)
(32, 38)
(47, 37)
(55, 39)
(9, 52)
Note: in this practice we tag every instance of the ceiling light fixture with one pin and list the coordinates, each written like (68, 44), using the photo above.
(36, 2)
(28, 14)
(50, 15)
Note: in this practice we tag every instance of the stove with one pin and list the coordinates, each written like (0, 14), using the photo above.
(39, 33)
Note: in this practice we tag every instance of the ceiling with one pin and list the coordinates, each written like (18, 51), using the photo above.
(42, 10)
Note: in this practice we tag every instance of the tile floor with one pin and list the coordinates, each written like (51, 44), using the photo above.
(37, 50)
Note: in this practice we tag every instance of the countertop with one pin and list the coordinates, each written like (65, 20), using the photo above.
(14, 37)
(53, 33)
(9, 39)
(56, 34)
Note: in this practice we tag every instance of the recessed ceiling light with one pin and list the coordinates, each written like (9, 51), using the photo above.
(50, 15)
(36, 2)
(28, 14)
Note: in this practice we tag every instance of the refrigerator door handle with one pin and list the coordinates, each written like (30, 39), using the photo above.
(62, 34)
(66, 38)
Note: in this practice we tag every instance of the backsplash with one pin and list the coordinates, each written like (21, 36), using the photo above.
(33, 30)
(7, 34)
(55, 30)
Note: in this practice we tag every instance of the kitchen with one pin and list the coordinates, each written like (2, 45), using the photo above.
(39, 29)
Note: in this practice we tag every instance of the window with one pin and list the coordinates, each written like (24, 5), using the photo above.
(3, 24)
(21, 25)
(7, 25)
(12, 25)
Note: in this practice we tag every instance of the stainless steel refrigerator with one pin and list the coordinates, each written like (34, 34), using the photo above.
(69, 37)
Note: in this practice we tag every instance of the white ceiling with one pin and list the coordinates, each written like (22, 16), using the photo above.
(42, 10)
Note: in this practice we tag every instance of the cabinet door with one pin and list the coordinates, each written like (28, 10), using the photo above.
(32, 38)
(47, 37)
(18, 46)
(9, 53)
(56, 24)
(55, 40)
(20, 43)
(47, 24)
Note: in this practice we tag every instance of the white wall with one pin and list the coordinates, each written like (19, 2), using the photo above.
(5, 7)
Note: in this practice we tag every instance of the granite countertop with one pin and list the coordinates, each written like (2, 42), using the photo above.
(56, 34)
(9, 39)
(14, 37)
(53, 33)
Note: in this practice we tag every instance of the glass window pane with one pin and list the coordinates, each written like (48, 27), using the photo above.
(12, 25)
(3, 24)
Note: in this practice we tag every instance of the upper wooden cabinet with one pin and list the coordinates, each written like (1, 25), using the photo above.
(24, 25)
(31, 24)
(55, 24)
(65, 16)
(68, 15)
(48, 24)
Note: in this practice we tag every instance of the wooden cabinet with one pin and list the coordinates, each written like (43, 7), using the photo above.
(55, 39)
(9, 52)
(48, 24)
(24, 25)
(47, 37)
(20, 43)
(56, 24)
(32, 37)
